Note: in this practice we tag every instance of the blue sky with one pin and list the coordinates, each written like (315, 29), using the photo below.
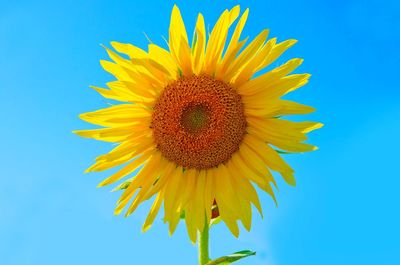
(345, 209)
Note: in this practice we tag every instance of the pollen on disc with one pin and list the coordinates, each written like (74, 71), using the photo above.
(198, 122)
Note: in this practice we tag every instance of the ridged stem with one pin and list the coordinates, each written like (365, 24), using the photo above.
(204, 257)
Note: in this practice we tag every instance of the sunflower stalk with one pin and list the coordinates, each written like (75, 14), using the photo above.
(204, 236)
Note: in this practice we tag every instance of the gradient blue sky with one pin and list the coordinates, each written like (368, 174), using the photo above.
(345, 209)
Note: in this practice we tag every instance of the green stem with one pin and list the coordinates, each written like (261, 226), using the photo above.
(204, 257)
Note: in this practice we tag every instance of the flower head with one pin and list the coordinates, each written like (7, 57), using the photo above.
(201, 129)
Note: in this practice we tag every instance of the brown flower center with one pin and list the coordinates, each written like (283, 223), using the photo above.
(194, 118)
(198, 122)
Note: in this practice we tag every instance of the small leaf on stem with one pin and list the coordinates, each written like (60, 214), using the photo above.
(225, 260)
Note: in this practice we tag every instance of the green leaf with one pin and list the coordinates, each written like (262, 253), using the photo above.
(225, 260)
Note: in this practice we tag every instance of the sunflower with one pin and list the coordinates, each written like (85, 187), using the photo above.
(197, 123)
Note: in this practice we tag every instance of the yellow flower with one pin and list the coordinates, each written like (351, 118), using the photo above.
(199, 127)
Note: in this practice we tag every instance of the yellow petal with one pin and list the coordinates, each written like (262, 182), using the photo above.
(280, 128)
(190, 225)
(217, 40)
(290, 107)
(117, 134)
(252, 65)
(227, 212)
(277, 51)
(156, 71)
(242, 168)
(174, 221)
(275, 90)
(106, 93)
(115, 69)
(241, 205)
(185, 58)
(245, 56)
(284, 134)
(161, 181)
(199, 201)
(118, 59)
(199, 43)
(141, 89)
(147, 173)
(255, 163)
(229, 205)
(122, 156)
(176, 202)
(288, 145)
(226, 192)
(141, 73)
(308, 126)
(132, 166)
(188, 203)
(247, 189)
(246, 215)
(262, 108)
(121, 114)
(101, 165)
(260, 83)
(171, 194)
(233, 47)
(178, 42)
(164, 57)
(145, 183)
(127, 147)
(209, 192)
(129, 49)
(271, 158)
(123, 95)
(153, 212)
(191, 177)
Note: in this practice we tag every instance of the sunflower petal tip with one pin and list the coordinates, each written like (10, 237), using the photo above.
(265, 32)
(145, 228)
(175, 8)
(103, 63)
(102, 184)
(236, 8)
(117, 211)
